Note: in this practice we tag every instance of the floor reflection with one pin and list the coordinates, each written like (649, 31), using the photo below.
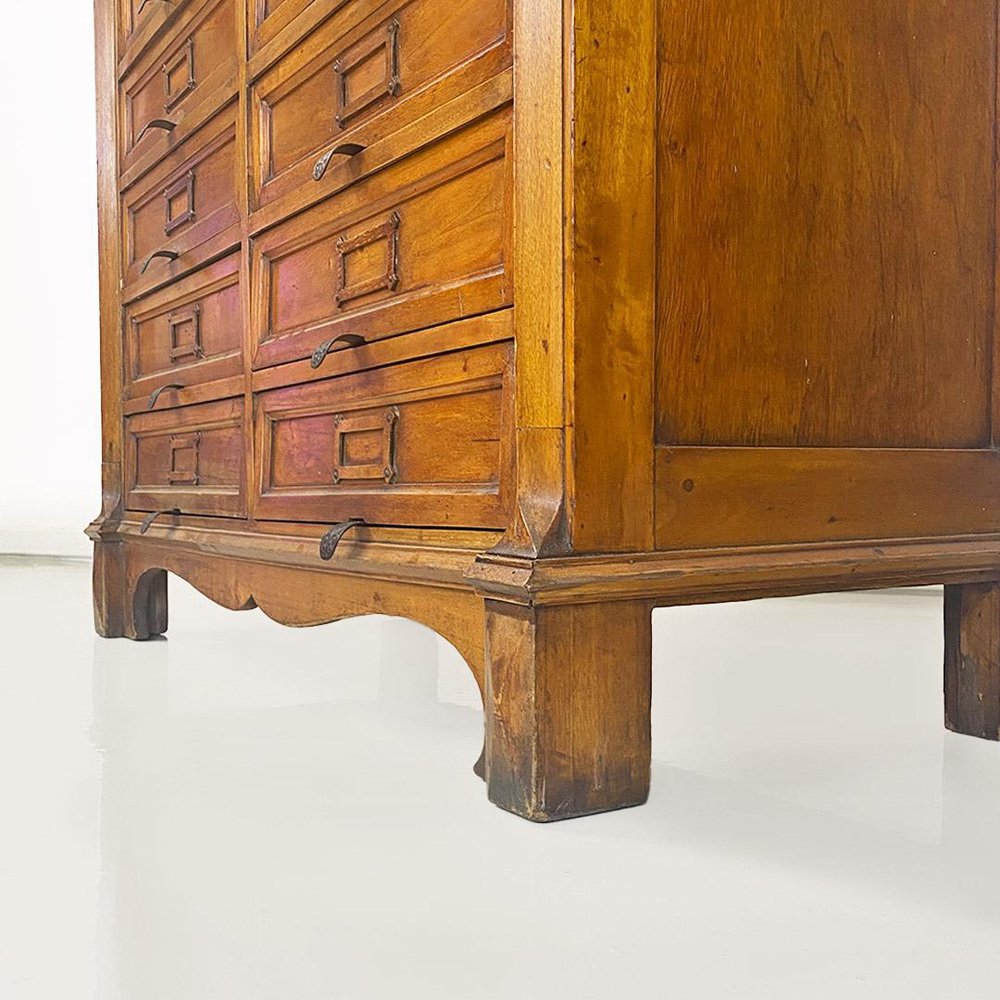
(293, 814)
(251, 796)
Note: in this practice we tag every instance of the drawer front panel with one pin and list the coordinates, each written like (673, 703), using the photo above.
(201, 57)
(191, 458)
(145, 18)
(362, 87)
(189, 333)
(269, 17)
(427, 443)
(188, 200)
(422, 243)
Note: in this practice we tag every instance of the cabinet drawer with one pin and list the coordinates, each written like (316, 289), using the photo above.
(191, 458)
(192, 73)
(268, 18)
(189, 199)
(426, 443)
(421, 243)
(188, 333)
(360, 87)
(140, 21)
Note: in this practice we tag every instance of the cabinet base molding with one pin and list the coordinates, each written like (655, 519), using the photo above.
(561, 649)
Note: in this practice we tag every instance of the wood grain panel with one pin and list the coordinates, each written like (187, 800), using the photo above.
(762, 496)
(422, 243)
(424, 443)
(613, 287)
(826, 214)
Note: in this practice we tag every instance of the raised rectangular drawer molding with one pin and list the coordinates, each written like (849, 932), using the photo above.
(188, 333)
(189, 199)
(422, 243)
(424, 443)
(358, 88)
(181, 74)
(190, 458)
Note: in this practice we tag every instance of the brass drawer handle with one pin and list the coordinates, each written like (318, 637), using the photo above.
(319, 356)
(145, 4)
(150, 518)
(332, 538)
(157, 123)
(155, 397)
(344, 149)
(170, 255)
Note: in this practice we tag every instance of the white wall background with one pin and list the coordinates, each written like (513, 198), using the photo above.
(49, 371)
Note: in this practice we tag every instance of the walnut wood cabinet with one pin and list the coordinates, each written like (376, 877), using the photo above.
(521, 318)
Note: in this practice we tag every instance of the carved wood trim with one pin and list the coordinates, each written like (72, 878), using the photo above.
(191, 348)
(185, 186)
(384, 421)
(347, 245)
(403, 578)
(180, 445)
(184, 57)
(388, 88)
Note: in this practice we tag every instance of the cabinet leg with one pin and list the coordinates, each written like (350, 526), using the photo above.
(127, 603)
(972, 659)
(567, 708)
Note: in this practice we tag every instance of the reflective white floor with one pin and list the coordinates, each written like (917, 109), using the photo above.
(244, 811)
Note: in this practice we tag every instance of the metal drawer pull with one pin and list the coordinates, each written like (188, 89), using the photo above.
(344, 149)
(146, 3)
(332, 538)
(170, 255)
(351, 339)
(161, 123)
(155, 397)
(150, 518)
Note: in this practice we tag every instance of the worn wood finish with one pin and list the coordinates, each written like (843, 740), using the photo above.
(523, 317)
(972, 659)
(123, 608)
(567, 708)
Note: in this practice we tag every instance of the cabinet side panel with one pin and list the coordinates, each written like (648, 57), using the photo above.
(105, 33)
(826, 216)
(612, 291)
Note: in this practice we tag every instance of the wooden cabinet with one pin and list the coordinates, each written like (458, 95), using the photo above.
(522, 318)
